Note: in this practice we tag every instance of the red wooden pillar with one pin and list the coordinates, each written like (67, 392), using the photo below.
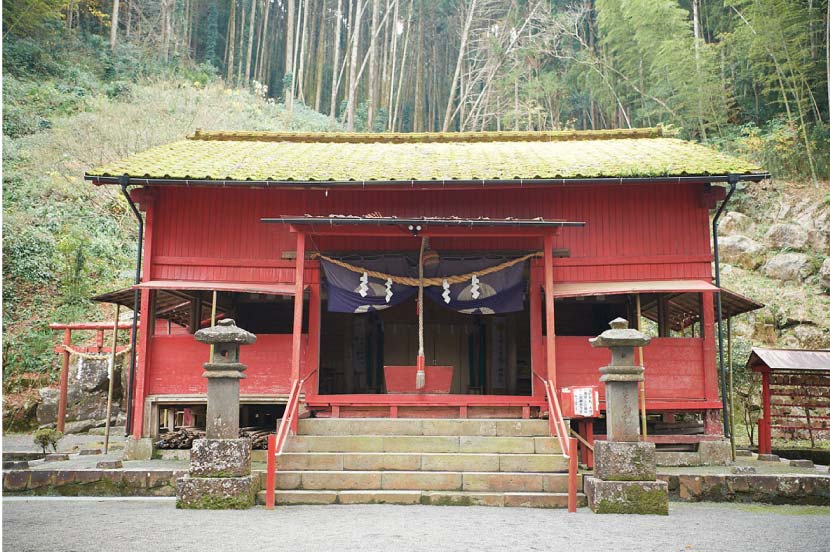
(765, 436)
(710, 368)
(536, 330)
(297, 332)
(313, 347)
(550, 335)
(67, 342)
(142, 357)
(146, 200)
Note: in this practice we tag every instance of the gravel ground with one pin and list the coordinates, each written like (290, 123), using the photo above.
(152, 525)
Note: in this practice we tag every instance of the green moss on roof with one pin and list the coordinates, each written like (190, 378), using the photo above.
(250, 156)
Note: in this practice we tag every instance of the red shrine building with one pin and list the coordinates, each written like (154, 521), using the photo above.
(534, 243)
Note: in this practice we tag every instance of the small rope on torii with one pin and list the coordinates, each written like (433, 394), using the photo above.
(93, 356)
(439, 281)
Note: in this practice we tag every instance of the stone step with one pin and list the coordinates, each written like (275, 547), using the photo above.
(436, 498)
(422, 443)
(415, 426)
(423, 481)
(416, 461)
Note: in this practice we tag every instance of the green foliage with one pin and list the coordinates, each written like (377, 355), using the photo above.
(47, 438)
(779, 147)
(31, 18)
(361, 119)
(653, 59)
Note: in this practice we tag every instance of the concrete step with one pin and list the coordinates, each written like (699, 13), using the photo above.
(423, 481)
(437, 498)
(422, 443)
(416, 461)
(414, 426)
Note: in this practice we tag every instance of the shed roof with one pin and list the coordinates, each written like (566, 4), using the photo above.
(263, 158)
(815, 360)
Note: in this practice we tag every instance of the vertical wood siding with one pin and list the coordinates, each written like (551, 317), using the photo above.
(632, 231)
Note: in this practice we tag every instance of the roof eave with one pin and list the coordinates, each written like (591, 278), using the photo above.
(426, 184)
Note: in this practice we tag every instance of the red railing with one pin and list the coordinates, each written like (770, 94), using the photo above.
(276, 442)
(566, 443)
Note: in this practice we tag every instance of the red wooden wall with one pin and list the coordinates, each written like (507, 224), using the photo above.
(632, 232)
(176, 367)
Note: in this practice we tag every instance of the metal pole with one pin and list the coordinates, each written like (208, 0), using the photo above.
(644, 422)
(125, 181)
(731, 388)
(733, 182)
(111, 377)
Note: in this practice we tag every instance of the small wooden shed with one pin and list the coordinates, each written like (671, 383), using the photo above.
(795, 394)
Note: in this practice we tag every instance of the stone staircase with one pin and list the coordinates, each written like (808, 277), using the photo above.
(423, 461)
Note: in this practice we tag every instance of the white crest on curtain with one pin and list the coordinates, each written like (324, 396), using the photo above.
(389, 289)
(446, 294)
(474, 288)
(363, 289)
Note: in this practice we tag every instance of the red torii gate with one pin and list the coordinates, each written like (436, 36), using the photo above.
(66, 348)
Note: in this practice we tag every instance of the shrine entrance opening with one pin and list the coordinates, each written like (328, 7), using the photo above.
(489, 354)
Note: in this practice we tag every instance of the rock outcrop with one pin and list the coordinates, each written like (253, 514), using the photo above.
(86, 397)
(734, 222)
(789, 267)
(741, 251)
(824, 274)
(786, 236)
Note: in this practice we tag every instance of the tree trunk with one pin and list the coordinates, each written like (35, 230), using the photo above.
(303, 43)
(403, 67)
(338, 25)
(353, 69)
(248, 59)
(393, 62)
(263, 43)
(241, 44)
(321, 58)
(231, 41)
(418, 119)
(289, 55)
(372, 64)
(114, 26)
(461, 50)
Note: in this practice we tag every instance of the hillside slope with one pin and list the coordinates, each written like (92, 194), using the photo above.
(65, 239)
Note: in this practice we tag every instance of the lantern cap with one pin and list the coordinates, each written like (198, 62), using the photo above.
(225, 331)
(620, 335)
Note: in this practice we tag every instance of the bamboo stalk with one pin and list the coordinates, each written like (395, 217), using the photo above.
(111, 377)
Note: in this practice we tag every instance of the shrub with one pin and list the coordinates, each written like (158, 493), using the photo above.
(47, 438)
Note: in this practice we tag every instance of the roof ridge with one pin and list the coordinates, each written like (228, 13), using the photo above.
(429, 137)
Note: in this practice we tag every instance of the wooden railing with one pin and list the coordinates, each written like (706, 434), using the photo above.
(276, 442)
(566, 443)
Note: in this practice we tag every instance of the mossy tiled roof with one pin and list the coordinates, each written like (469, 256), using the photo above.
(282, 157)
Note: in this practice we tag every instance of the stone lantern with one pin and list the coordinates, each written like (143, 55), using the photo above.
(625, 469)
(223, 374)
(220, 464)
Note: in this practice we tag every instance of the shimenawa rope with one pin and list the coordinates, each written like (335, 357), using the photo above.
(438, 281)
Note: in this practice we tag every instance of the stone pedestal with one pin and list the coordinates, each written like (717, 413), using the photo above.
(138, 449)
(627, 497)
(220, 465)
(625, 469)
